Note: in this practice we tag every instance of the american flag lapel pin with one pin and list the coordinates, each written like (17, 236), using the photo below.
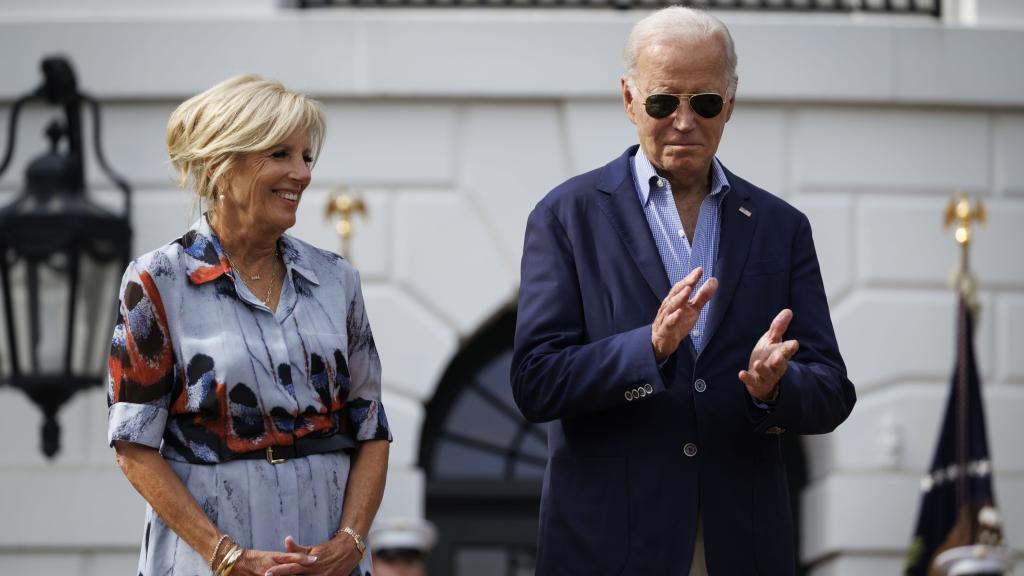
(744, 211)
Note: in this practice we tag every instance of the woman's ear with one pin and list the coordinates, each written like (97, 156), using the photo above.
(210, 168)
(217, 172)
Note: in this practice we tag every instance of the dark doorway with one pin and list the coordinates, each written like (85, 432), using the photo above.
(484, 463)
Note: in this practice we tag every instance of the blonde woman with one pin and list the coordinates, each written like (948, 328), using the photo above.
(244, 386)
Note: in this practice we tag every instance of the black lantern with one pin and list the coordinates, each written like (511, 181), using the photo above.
(61, 259)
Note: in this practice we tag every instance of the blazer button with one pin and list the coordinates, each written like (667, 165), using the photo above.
(690, 449)
(629, 395)
(700, 385)
(641, 391)
(649, 388)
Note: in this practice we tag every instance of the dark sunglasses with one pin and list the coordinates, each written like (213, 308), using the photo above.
(706, 105)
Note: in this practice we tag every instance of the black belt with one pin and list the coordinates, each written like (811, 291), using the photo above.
(305, 446)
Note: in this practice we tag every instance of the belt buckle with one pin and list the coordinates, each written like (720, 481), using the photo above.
(271, 459)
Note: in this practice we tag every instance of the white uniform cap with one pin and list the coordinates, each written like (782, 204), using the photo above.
(975, 559)
(409, 533)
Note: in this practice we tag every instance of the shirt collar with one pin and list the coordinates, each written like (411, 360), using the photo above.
(294, 255)
(647, 178)
(206, 261)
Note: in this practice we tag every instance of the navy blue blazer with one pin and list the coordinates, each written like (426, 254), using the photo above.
(620, 495)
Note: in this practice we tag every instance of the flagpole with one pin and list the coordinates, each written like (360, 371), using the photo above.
(964, 215)
(958, 528)
(962, 431)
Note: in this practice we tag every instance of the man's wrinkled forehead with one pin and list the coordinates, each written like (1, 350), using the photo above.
(673, 61)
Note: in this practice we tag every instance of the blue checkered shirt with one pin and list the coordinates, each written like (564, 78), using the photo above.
(680, 254)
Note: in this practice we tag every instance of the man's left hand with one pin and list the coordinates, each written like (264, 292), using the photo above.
(769, 360)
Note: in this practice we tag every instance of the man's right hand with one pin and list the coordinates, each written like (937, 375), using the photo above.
(678, 313)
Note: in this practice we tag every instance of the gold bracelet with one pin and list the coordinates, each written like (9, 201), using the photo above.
(360, 545)
(229, 561)
(216, 549)
(234, 559)
(223, 561)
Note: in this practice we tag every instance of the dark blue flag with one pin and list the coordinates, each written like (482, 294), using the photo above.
(959, 482)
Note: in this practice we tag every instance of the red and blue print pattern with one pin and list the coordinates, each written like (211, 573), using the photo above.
(202, 369)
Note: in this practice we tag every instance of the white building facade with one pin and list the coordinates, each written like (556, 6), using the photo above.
(454, 122)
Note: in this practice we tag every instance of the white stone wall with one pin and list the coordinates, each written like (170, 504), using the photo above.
(454, 123)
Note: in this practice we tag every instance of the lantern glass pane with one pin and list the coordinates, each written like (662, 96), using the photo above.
(95, 314)
(39, 297)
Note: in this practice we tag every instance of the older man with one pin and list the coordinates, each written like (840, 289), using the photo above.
(672, 325)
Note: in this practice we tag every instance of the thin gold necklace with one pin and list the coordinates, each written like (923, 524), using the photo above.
(254, 277)
(270, 288)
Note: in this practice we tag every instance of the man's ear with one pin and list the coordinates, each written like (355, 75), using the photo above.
(627, 99)
(729, 105)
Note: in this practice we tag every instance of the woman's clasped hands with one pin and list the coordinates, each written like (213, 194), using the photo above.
(260, 562)
(335, 557)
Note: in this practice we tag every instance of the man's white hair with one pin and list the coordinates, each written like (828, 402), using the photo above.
(675, 24)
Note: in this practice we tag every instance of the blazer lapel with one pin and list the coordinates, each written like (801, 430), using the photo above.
(621, 206)
(739, 219)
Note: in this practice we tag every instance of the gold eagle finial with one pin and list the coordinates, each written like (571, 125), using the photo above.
(961, 215)
(345, 203)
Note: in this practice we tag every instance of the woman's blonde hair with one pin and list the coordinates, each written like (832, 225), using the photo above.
(209, 132)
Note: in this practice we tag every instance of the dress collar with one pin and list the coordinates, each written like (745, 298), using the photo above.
(205, 259)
